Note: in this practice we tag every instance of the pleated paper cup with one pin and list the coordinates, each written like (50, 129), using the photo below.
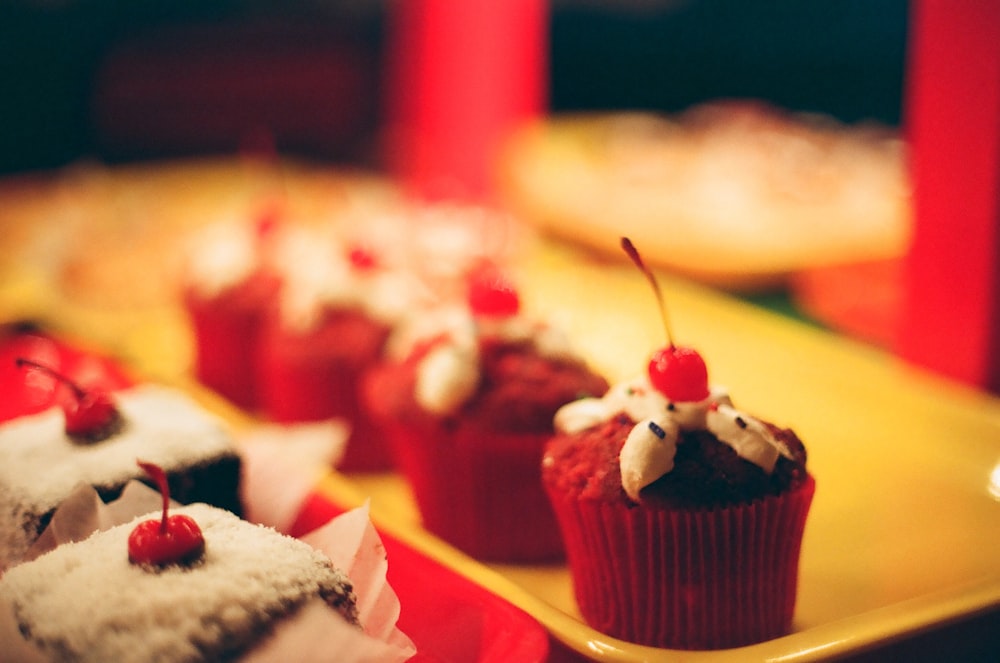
(686, 578)
(480, 489)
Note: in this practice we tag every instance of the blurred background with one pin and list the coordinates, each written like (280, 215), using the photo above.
(152, 78)
(86, 84)
(91, 81)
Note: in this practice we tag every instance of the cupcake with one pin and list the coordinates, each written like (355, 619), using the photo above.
(466, 398)
(338, 303)
(682, 515)
(228, 285)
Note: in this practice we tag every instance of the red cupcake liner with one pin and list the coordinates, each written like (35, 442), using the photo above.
(686, 578)
(291, 392)
(480, 490)
(225, 345)
(317, 376)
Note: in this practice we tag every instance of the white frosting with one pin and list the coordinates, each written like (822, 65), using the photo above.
(646, 455)
(450, 372)
(220, 256)
(315, 269)
(86, 602)
(447, 377)
(40, 465)
(744, 434)
(639, 400)
(318, 275)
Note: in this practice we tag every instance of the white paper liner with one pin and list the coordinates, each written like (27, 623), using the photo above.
(281, 465)
(280, 470)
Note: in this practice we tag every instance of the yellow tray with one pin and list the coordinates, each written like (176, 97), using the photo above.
(903, 531)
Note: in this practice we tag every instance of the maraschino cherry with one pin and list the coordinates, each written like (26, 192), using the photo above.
(175, 539)
(678, 372)
(361, 258)
(91, 414)
(491, 293)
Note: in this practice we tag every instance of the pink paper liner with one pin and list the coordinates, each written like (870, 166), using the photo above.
(684, 578)
(480, 490)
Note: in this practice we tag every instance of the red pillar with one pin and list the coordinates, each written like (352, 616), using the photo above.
(951, 317)
(461, 76)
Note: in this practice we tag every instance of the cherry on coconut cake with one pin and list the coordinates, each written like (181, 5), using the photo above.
(94, 436)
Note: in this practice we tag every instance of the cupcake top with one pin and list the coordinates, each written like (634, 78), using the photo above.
(324, 271)
(41, 463)
(222, 255)
(669, 436)
(663, 441)
(482, 358)
(72, 601)
(507, 371)
(386, 265)
(449, 344)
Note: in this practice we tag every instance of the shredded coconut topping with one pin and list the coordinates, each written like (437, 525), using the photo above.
(85, 602)
(41, 465)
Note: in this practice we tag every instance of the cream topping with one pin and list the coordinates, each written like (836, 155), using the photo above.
(450, 372)
(220, 256)
(749, 437)
(649, 449)
(318, 275)
(648, 453)
(447, 377)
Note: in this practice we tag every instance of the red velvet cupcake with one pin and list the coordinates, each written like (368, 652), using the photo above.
(467, 402)
(682, 516)
(228, 287)
(330, 325)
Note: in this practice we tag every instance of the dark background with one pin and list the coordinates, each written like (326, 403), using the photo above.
(150, 78)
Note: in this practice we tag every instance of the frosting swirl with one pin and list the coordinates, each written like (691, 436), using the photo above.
(449, 373)
(649, 449)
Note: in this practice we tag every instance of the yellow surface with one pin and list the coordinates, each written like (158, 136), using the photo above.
(903, 531)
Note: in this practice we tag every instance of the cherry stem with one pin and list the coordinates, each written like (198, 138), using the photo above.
(157, 474)
(633, 254)
(78, 391)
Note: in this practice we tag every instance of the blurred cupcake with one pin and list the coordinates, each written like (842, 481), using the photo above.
(228, 285)
(338, 304)
(466, 399)
(682, 516)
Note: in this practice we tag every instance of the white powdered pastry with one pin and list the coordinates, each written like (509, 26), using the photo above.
(649, 450)
(85, 602)
(40, 465)
(450, 372)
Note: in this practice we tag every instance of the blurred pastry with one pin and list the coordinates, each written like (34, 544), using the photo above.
(737, 194)
(466, 397)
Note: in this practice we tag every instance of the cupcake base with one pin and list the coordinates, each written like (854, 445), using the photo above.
(226, 331)
(686, 578)
(480, 490)
(315, 375)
